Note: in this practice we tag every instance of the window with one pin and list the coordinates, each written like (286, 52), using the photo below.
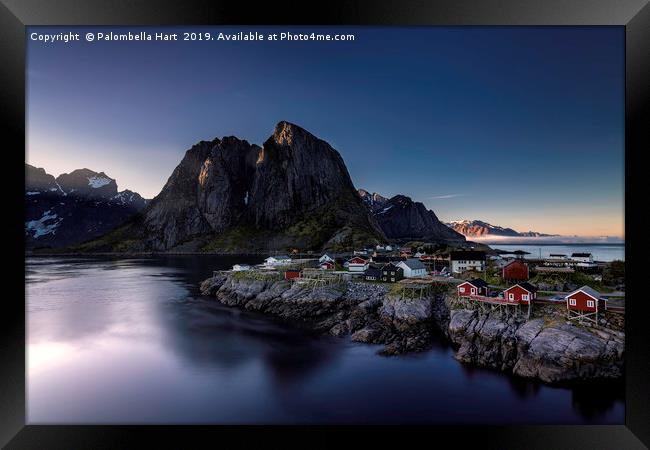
(473, 290)
(511, 296)
(590, 304)
(572, 301)
(524, 297)
(461, 289)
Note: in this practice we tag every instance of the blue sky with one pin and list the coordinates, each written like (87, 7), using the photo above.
(521, 127)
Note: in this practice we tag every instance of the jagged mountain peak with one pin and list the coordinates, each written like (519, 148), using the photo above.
(293, 191)
(402, 218)
(73, 207)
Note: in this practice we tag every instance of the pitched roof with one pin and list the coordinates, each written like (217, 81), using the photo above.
(358, 258)
(526, 285)
(515, 261)
(391, 264)
(413, 263)
(478, 282)
(587, 290)
(470, 255)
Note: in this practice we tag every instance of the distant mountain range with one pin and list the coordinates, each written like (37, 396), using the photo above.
(74, 207)
(400, 218)
(481, 229)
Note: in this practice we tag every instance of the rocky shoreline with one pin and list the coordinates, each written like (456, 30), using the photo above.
(549, 350)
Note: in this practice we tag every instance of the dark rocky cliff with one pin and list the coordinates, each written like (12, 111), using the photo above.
(401, 218)
(228, 195)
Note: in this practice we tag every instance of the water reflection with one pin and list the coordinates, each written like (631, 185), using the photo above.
(130, 340)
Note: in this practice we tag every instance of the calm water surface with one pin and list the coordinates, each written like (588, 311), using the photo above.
(600, 252)
(131, 341)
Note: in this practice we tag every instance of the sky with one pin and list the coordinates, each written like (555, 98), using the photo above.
(521, 127)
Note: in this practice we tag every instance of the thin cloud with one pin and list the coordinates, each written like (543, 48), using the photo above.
(443, 196)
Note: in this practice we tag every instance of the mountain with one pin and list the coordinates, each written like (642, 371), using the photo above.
(73, 207)
(478, 228)
(403, 219)
(227, 195)
(371, 200)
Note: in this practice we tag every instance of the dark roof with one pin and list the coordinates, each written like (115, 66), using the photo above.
(373, 271)
(388, 258)
(580, 255)
(470, 255)
(557, 254)
(389, 265)
(529, 287)
(477, 282)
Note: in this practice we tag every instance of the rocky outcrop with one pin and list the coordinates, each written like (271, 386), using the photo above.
(74, 207)
(534, 349)
(403, 219)
(227, 195)
(369, 313)
(550, 351)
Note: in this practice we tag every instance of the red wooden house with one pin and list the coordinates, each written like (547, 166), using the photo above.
(327, 265)
(584, 303)
(289, 274)
(516, 270)
(358, 264)
(477, 286)
(520, 293)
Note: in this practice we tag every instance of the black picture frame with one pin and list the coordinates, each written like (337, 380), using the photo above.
(634, 15)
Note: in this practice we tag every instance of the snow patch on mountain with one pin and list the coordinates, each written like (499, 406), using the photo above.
(97, 182)
(40, 227)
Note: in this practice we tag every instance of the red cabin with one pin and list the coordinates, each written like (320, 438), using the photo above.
(477, 286)
(327, 265)
(516, 270)
(586, 300)
(289, 274)
(520, 293)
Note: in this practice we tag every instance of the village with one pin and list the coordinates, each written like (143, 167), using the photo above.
(574, 286)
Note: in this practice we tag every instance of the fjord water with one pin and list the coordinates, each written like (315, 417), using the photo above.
(114, 340)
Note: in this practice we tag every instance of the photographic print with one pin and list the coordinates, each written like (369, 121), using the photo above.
(325, 225)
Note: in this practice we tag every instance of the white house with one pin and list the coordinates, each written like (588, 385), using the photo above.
(582, 257)
(462, 261)
(358, 264)
(278, 260)
(413, 268)
(325, 258)
(240, 267)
